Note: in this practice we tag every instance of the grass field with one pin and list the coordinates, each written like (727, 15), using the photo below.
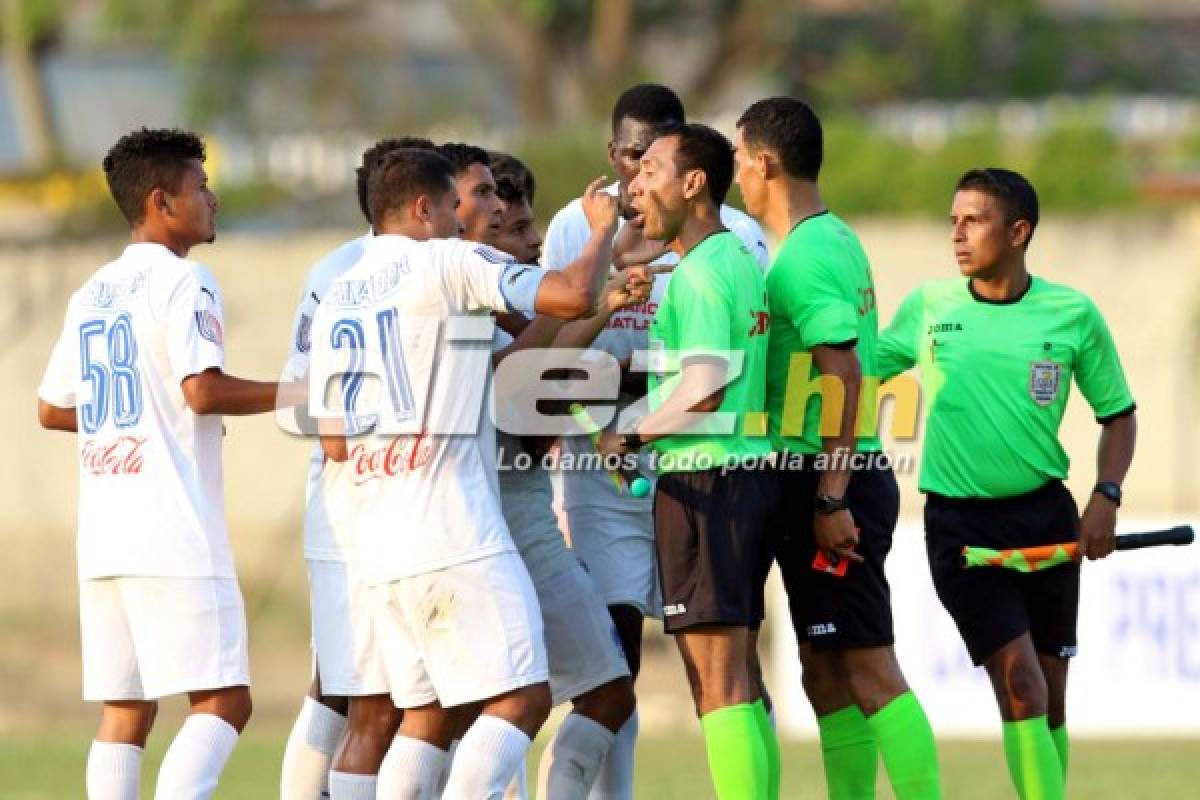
(50, 767)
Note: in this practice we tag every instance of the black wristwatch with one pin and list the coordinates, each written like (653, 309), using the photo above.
(1110, 490)
(828, 504)
(632, 441)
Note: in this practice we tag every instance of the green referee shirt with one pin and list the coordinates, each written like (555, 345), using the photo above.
(821, 294)
(715, 303)
(996, 377)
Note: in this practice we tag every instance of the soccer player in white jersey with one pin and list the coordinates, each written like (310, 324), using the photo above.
(347, 662)
(453, 604)
(586, 664)
(614, 534)
(137, 372)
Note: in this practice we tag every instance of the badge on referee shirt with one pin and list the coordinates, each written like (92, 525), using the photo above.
(1043, 381)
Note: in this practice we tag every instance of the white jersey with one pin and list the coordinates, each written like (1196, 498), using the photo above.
(420, 308)
(527, 500)
(150, 480)
(331, 498)
(624, 334)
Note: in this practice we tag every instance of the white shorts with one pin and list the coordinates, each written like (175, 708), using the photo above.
(617, 549)
(348, 660)
(150, 637)
(461, 634)
(582, 645)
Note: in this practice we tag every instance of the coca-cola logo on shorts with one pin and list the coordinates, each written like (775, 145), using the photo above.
(402, 454)
(122, 456)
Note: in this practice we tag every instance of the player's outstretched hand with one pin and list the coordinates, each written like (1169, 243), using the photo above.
(631, 247)
(1098, 528)
(837, 534)
(599, 206)
(626, 288)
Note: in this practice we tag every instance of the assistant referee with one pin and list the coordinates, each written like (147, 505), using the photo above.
(997, 353)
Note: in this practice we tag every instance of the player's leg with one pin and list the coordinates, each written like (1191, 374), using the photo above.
(715, 661)
(858, 604)
(1023, 698)
(617, 548)
(308, 754)
(485, 646)
(848, 749)
(111, 675)
(319, 726)
(1054, 669)
(588, 667)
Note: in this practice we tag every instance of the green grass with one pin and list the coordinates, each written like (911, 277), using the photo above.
(46, 766)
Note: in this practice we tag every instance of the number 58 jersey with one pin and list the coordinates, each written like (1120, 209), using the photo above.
(150, 478)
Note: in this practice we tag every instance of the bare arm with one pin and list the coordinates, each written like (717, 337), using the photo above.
(214, 392)
(54, 418)
(333, 439)
(836, 533)
(630, 286)
(572, 292)
(1114, 454)
(694, 394)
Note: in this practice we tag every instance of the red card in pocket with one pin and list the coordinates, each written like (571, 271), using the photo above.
(834, 566)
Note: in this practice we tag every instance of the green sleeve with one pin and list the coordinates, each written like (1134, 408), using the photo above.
(809, 295)
(702, 313)
(899, 342)
(1098, 370)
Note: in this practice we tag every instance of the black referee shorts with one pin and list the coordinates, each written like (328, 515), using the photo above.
(712, 537)
(828, 611)
(992, 605)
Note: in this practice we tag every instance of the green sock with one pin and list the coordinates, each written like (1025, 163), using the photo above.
(767, 731)
(1033, 760)
(848, 750)
(1063, 745)
(737, 757)
(906, 742)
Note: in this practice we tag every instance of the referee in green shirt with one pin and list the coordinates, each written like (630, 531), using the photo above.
(714, 498)
(997, 353)
(824, 326)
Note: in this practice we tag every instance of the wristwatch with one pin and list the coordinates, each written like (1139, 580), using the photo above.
(1110, 490)
(632, 441)
(828, 504)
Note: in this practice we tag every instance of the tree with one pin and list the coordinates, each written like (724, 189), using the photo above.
(25, 23)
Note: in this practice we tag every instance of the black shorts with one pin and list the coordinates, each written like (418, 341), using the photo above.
(711, 534)
(854, 610)
(992, 605)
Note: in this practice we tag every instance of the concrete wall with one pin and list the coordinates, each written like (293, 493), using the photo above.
(1143, 272)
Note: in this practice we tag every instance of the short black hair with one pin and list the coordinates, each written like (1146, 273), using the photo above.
(462, 156)
(145, 160)
(706, 149)
(1011, 190)
(514, 181)
(789, 129)
(651, 103)
(403, 175)
(374, 154)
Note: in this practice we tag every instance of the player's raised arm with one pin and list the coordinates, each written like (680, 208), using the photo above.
(572, 292)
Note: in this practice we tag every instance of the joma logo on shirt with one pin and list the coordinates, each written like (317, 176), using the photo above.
(944, 327)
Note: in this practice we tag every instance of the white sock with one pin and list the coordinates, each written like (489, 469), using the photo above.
(615, 780)
(114, 771)
(309, 752)
(194, 760)
(441, 787)
(486, 760)
(518, 787)
(348, 786)
(573, 757)
(412, 769)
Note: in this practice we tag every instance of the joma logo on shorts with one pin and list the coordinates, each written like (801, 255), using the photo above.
(674, 610)
(822, 629)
